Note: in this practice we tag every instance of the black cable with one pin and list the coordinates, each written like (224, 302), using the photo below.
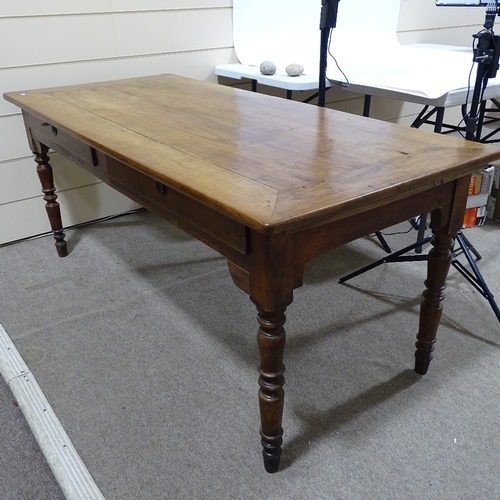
(340, 84)
(399, 232)
(75, 226)
(466, 115)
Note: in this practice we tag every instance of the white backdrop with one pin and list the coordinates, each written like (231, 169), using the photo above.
(282, 31)
(287, 31)
(364, 43)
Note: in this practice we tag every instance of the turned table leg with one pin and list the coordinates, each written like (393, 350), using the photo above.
(438, 265)
(44, 170)
(271, 342)
(269, 284)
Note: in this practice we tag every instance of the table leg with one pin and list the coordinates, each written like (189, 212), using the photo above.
(44, 170)
(271, 342)
(438, 265)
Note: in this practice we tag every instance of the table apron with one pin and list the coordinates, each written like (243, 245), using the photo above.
(316, 241)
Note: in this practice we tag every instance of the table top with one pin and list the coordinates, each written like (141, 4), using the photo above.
(269, 163)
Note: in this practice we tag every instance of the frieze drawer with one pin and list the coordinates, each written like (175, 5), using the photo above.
(146, 191)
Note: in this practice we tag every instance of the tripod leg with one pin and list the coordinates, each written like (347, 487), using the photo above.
(463, 241)
(393, 257)
(420, 119)
(383, 242)
(422, 222)
(366, 105)
(438, 124)
(477, 280)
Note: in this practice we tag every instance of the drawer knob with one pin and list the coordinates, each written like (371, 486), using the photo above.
(161, 188)
(54, 129)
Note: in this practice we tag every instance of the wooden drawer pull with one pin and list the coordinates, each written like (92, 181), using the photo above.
(161, 188)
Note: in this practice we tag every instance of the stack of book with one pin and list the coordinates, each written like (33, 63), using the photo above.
(493, 206)
(479, 192)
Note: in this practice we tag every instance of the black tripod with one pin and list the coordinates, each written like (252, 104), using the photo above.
(486, 55)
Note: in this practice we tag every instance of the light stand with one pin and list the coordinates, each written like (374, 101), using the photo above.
(328, 21)
(329, 9)
(486, 55)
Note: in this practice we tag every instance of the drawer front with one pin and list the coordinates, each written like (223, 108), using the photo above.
(176, 206)
(70, 147)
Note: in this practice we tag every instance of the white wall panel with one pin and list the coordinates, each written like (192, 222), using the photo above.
(171, 31)
(91, 202)
(199, 64)
(54, 75)
(25, 218)
(55, 38)
(36, 7)
(20, 180)
(60, 7)
(13, 143)
(119, 5)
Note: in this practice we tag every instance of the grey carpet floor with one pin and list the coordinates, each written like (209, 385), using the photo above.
(24, 473)
(146, 351)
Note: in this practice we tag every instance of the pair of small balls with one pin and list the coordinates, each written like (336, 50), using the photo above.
(269, 68)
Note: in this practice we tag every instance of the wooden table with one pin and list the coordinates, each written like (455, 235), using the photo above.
(268, 183)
